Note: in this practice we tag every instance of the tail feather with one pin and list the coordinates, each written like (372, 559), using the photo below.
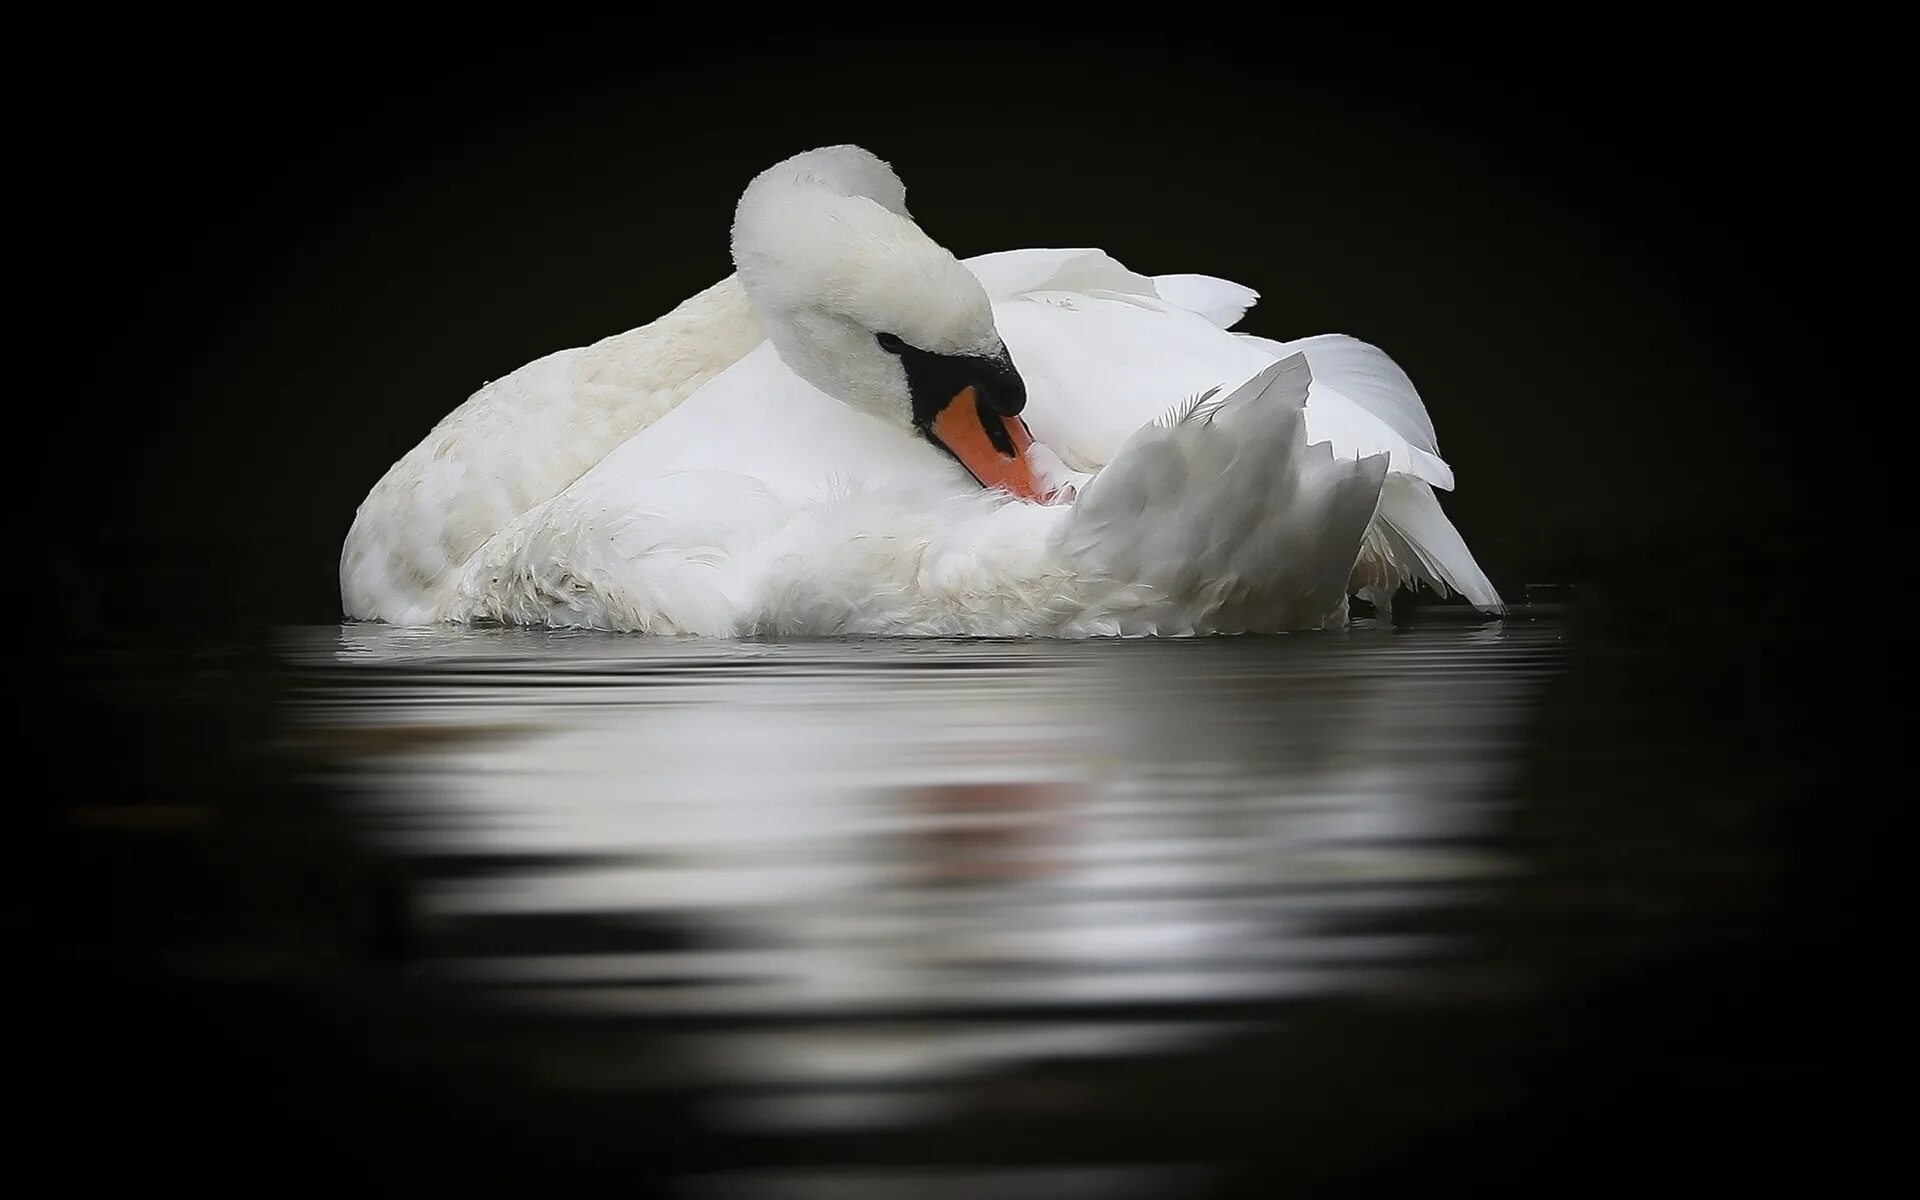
(1416, 539)
(1363, 403)
(1224, 519)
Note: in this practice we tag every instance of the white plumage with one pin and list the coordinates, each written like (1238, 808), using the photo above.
(755, 462)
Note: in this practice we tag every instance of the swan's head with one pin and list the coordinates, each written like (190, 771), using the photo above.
(864, 306)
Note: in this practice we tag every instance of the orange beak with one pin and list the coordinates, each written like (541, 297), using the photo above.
(994, 448)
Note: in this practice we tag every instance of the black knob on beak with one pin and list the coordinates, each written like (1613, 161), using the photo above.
(1002, 388)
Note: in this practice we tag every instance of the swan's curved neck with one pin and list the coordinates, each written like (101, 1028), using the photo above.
(810, 238)
(835, 267)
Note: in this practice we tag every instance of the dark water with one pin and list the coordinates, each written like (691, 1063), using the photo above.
(1460, 900)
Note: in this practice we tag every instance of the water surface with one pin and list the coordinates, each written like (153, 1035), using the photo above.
(977, 918)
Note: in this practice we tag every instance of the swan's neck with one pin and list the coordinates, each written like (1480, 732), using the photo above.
(523, 439)
(639, 376)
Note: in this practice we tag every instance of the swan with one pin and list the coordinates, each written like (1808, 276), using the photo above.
(858, 433)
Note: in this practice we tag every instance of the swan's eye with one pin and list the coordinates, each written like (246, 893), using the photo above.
(890, 343)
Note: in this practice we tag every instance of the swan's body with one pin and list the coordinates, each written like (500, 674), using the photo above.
(727, 485)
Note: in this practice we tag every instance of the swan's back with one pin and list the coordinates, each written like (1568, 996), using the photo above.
(1104, 348)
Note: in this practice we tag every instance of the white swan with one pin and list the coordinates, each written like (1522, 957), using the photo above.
(690, 477)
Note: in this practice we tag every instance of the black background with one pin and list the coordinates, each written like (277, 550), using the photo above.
(1632, 274)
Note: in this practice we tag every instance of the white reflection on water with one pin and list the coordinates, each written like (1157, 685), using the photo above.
(969, 855)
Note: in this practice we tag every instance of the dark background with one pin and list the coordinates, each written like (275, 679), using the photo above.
(1632, 275)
